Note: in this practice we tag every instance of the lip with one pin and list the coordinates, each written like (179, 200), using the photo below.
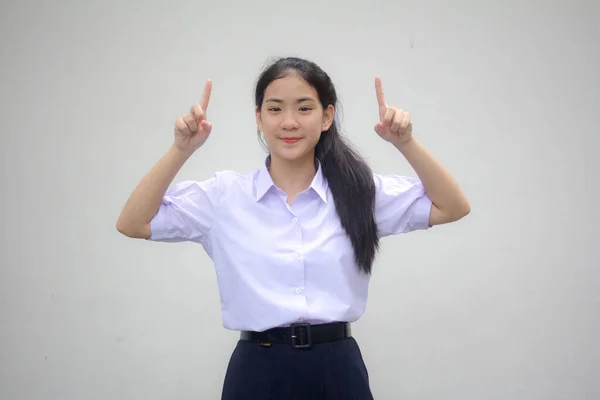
(290, 140)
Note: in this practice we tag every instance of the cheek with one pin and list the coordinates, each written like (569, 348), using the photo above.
(316, 127)
(269, 125)
(269, 135)
(268, 129)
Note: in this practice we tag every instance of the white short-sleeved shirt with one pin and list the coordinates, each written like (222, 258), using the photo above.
(278, 264)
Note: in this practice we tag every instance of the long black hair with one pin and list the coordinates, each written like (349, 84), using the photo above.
(349, 177)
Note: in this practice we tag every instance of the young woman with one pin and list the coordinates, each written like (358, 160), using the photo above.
(293, 243)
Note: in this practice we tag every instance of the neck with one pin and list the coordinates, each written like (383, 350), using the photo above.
(292, 177)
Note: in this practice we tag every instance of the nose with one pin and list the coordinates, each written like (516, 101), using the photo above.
(289, 123)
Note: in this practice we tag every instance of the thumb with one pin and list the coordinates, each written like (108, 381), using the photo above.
(207, 126)
(379, 128)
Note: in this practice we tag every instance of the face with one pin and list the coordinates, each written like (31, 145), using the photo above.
(292, 119)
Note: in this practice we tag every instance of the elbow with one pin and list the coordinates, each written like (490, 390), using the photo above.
(462, 211)
(459, 211)
(134, 231)
(449, 214)
(122, 228)
(466, 210)
(125, 229)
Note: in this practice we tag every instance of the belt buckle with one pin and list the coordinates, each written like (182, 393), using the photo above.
(301, 335)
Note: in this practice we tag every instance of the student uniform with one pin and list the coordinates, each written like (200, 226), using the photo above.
(287, 276)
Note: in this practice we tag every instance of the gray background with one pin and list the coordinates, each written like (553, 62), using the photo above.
(502, 305)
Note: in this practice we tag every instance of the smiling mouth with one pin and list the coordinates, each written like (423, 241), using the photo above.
(290, 140)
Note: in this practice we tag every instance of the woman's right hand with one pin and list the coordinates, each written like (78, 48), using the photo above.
(192, 129)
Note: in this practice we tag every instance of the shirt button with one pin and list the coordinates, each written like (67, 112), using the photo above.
(295, 220)
(298, 290)
(297, 255)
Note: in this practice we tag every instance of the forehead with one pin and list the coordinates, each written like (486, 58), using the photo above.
(290, 86)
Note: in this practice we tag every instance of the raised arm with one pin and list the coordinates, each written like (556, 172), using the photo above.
(395, 126)
(191, 132)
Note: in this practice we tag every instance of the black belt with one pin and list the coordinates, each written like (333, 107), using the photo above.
(301, 335)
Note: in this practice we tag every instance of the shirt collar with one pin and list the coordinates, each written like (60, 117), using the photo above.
(264, 182)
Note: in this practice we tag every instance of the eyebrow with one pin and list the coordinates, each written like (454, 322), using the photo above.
(300, 100)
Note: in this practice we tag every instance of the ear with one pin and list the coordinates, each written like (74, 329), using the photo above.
(258, 118)
(328, 115)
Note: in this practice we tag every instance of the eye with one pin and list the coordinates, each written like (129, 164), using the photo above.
(305, 109)
(274, 109)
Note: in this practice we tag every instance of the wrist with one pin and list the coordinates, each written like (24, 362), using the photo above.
(405, 145)
(179, 152)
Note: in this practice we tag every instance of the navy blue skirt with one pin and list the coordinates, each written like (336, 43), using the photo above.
(333, 371)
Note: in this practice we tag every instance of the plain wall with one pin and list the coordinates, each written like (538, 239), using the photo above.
(504, 304)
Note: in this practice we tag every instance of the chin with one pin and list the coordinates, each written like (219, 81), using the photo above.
(292, 154)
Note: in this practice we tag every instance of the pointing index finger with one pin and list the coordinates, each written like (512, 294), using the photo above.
(206, 95)
(380, 96)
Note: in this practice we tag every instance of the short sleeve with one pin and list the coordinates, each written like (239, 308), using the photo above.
(401, 204)
(186, 212)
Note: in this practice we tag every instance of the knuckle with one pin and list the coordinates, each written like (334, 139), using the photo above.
(191, 123)
(181, 126)
(198, 110)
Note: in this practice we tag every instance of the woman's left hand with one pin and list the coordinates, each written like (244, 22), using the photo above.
(394, 124)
